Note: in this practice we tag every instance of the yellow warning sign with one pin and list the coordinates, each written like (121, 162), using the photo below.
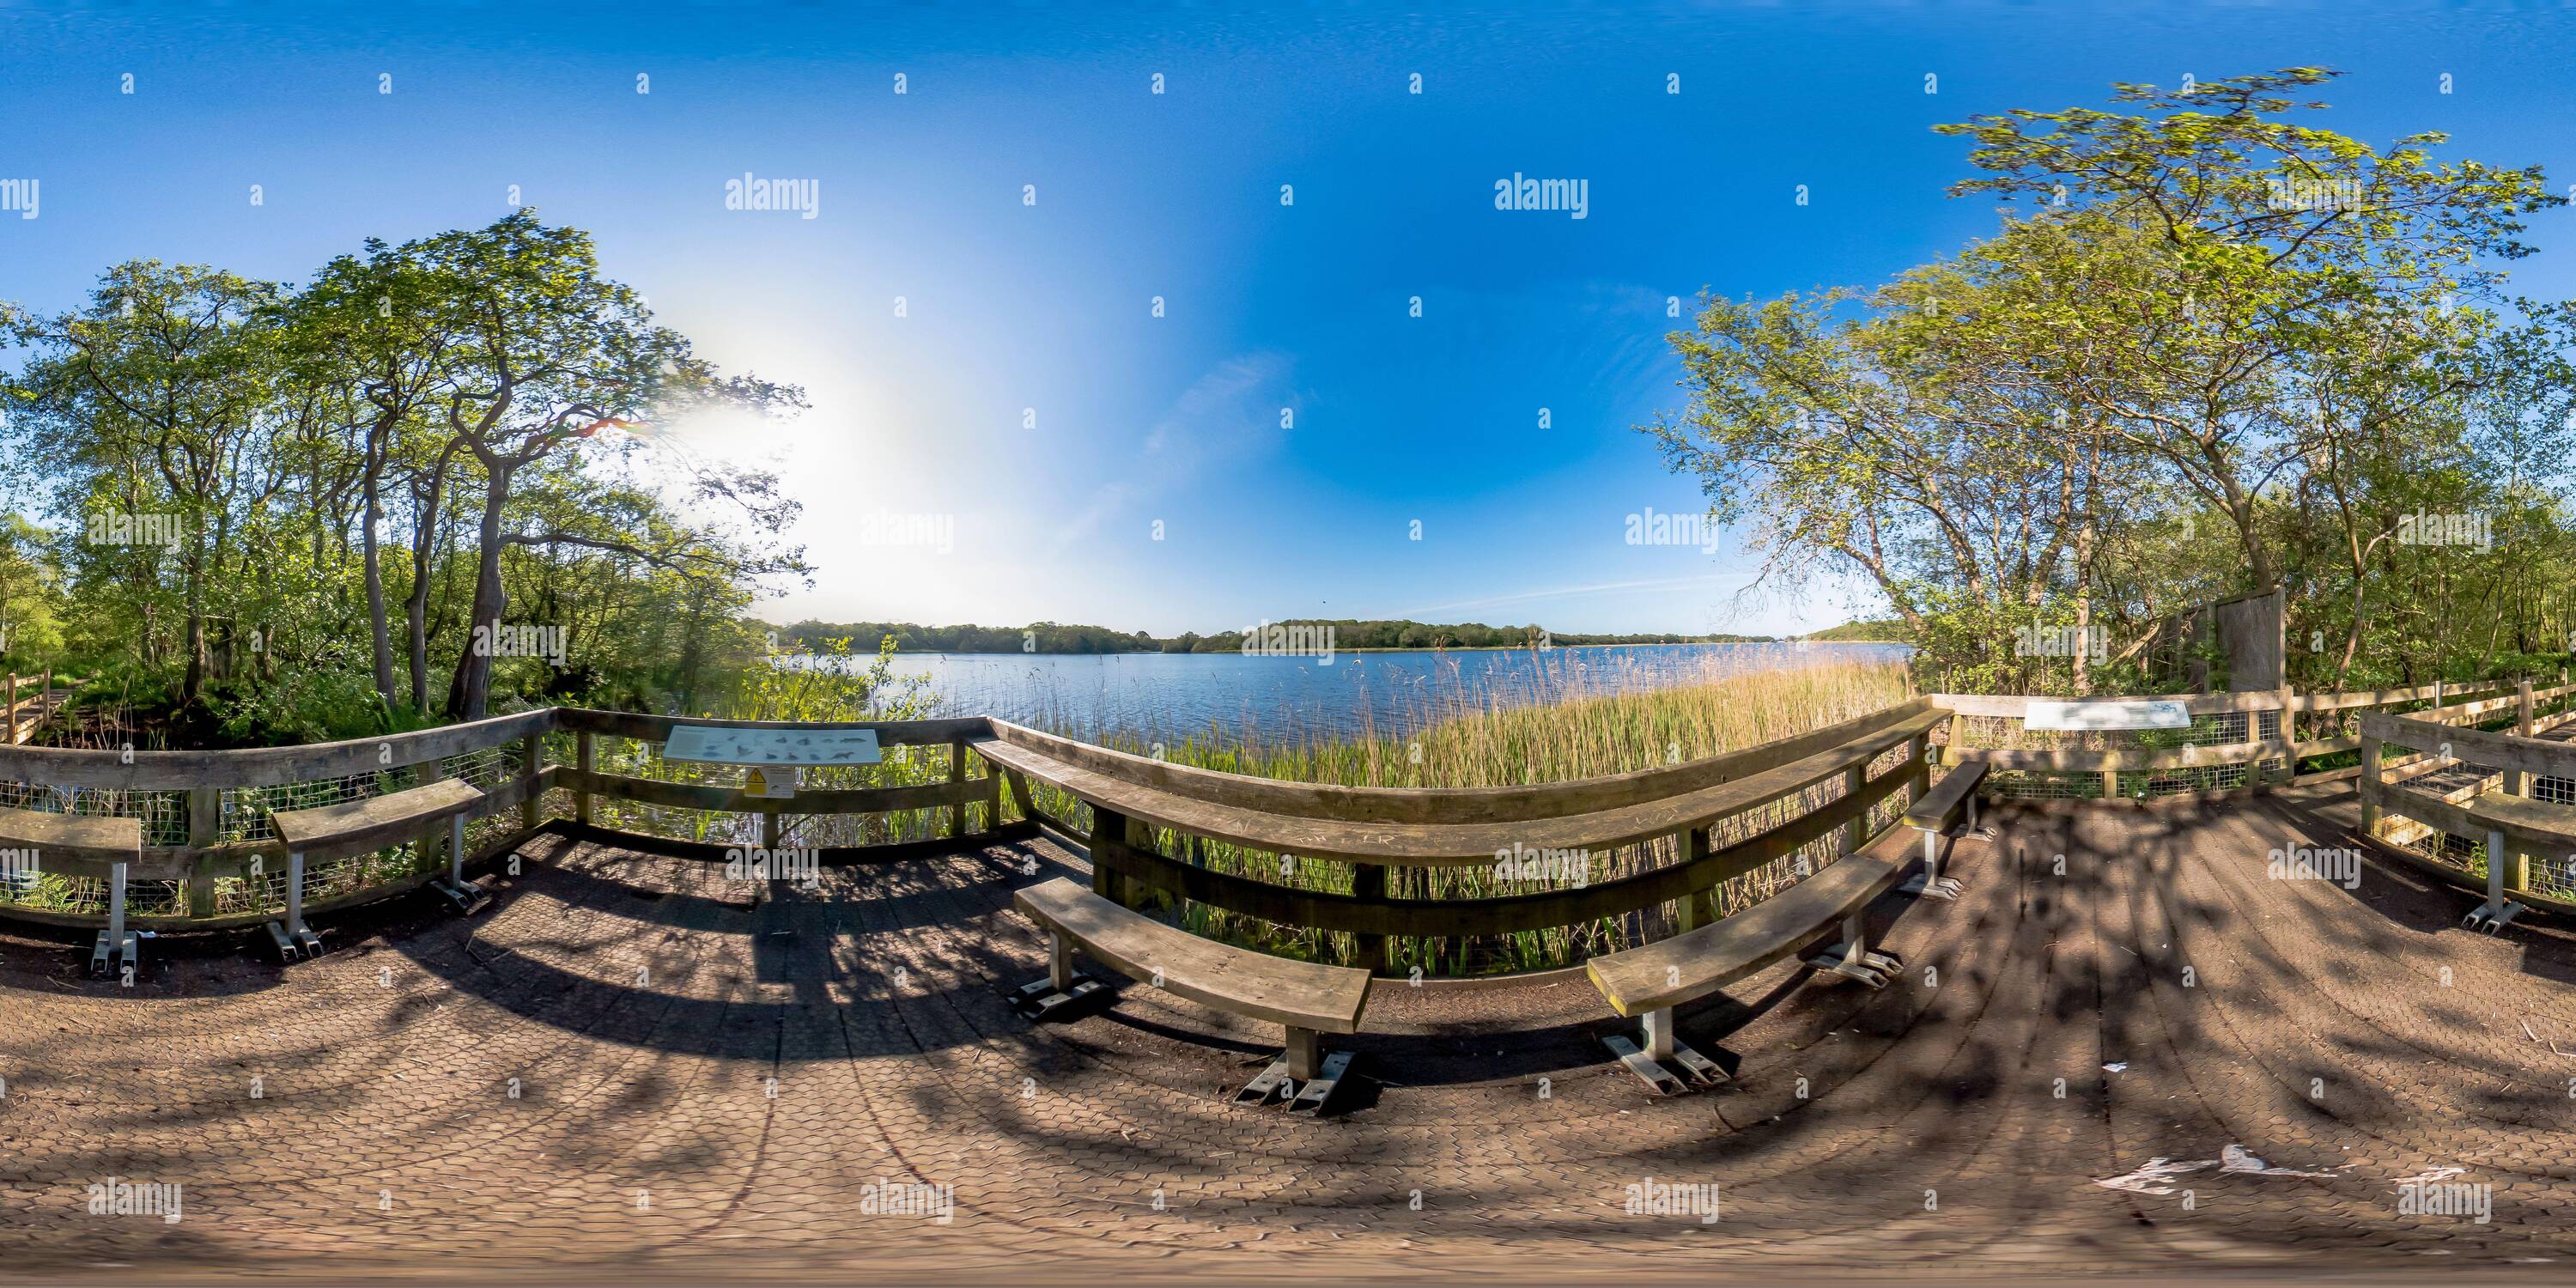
(761, 783)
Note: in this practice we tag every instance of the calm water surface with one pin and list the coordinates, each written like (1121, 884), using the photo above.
(1231, 697)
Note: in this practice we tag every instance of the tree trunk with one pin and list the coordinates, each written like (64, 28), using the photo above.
(380, 636)
(471, 691)
(424, 548)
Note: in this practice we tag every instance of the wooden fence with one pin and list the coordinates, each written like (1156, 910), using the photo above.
(1663, 848)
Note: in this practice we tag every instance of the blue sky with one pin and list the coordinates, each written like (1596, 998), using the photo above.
(1014, 307)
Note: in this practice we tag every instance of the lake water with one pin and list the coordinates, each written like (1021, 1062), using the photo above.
(1231, 696)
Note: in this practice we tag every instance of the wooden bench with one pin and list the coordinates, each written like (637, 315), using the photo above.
(1932, 815)
(1651, 980)
(116, 842)
(2541, 827)
(1305, 998)
(362, 827)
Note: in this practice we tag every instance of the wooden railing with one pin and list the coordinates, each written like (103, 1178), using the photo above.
(1662, 848)
(1709, 817)
(26, 703)
(2190, 762)
(2510, 798)
(1802, 800)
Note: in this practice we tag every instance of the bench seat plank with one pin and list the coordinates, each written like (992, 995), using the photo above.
(1442, 844)
(355, 827)
(78, 837)
(1300, 995)
(1932, 813)
(1696, 963)
(2521, 817)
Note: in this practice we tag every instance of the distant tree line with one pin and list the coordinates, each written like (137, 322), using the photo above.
(1348, 634)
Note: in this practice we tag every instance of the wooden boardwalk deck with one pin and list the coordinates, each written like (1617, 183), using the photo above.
(631, 1068)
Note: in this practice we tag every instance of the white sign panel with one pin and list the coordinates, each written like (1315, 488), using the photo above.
(718, 744)
(2105, 715)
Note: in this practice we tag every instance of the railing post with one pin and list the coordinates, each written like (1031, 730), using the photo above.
(9, 714)
(205, 830)
(1108, 841)
(531, 764)
(2370, 785)
(436, 838)
(2289, 733)
(2111, 774)
(1694, 847)
(1856, 832)
(957, 788)
(1368, 881)
(585, 759)
(1921, 749)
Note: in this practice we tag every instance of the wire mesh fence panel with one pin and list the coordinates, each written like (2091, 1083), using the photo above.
(2184, 780)
(61, 893)
(713, 827)
(262, 891)
(337, 877)
(247, 811)
(163, 814)
(156, 898)
(486, 768)
(2554, 876)
(2034, 784)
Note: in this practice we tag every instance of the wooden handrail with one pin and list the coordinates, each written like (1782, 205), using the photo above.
(1451, 805)
(1368, 827)
(263, 766)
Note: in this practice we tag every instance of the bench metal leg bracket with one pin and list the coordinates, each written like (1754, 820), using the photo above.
(1658, 1079)
(2489, 918)
(1664, 1051)
(1929, 883)
(1311, 1098)
(1273, 1081)
(1853, 958)
(112, 954)
(468, 897)
(1040, 1000)
(287, 948)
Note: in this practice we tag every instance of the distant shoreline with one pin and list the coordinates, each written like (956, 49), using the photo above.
(1451, 648)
